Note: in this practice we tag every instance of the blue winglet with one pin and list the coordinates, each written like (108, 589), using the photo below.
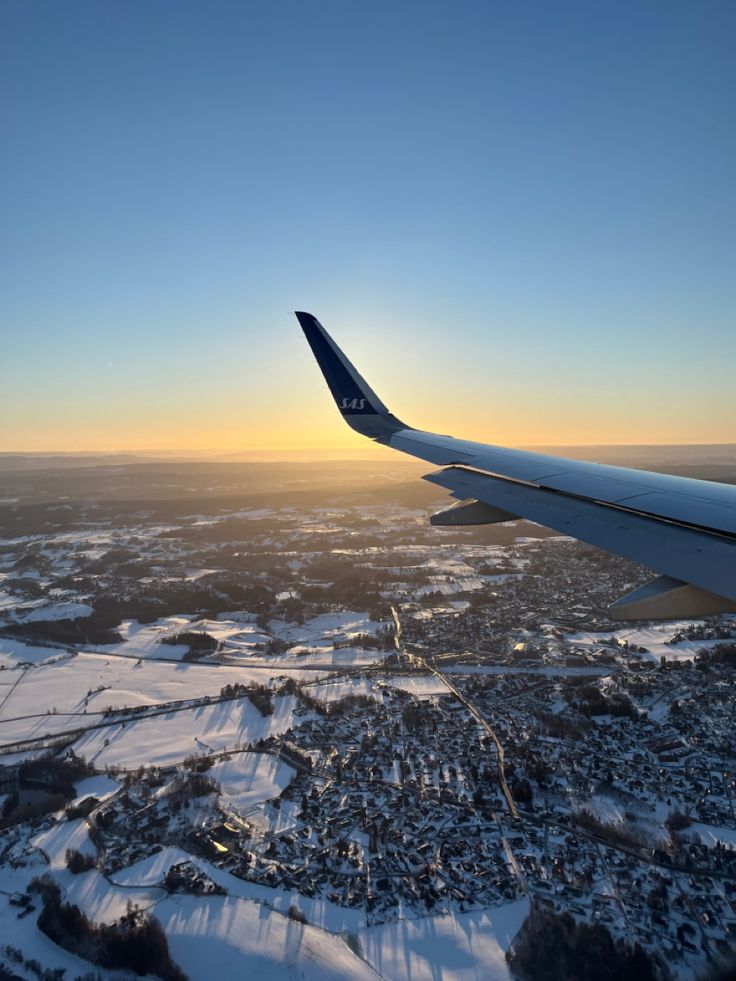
(355, 399)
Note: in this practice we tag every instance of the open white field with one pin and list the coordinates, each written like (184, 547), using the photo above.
(242, 641)
(218, 936)
(65, 834)
(421, 686)
(167, 739)
(234, 635)
(712, 835)
(24, 934)
(315, 657)
(227, 937)
(52, 611)
(146, 639)
(150, 872)
(90, 683)
(465, 947)
(333, 691)
(250, 778)
(104, 903)
(99, 786)
(322, 631)
(450, 586)
(15, 652)
(654, 637)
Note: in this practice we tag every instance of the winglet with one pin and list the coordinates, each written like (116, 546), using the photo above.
(358, 404)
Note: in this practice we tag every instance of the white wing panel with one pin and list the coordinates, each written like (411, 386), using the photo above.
(684, 553)
(698, 502)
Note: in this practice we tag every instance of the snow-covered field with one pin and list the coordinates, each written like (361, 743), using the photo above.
(65, 834)
(24, 934)
(99, 786)
(250, 778)
(90, 683)
(15, 652)
(711, 835)
(653, 637)
(211, 936)
(54, 611)
(145, 639)
(332, 691)
(164, 740)
(241, 640)
(421, 686)
(227, 937)
(460, 584)
(246, 933)
(465, 947)
(322, 630)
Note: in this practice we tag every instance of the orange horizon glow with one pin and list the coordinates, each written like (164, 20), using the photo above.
(270, 402)
(335, 440)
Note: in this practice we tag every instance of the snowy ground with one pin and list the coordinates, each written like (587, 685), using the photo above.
(66, 834)
(214, 936)
(242, 641)
(465, 947)
(90, 683)
(246, 933)
(421, 686)
(165, 740)
(710, 835)
(24, 934)
(53, 611)
(653, 637)
(332, 691)
(146, 639)
(234, 635)
(15, 652)
(250, 778)
(98, 786)
(227, 937)
(325, 629)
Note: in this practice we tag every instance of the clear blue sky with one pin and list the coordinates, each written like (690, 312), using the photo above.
(518, 218)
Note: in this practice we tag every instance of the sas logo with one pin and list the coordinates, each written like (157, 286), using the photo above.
(353, 403)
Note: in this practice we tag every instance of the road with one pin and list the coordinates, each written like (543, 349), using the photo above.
(417, 661)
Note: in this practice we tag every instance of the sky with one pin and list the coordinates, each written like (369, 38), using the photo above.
(518, 219)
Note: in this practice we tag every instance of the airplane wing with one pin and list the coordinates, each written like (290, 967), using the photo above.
(683, 529)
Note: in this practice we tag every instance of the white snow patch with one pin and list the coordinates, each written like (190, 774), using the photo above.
(464, 947)
(56, 611)
(63, 835)
(654, 638)
(99, 786)
(165, 740)
(711, 835)
(421, 686)
(250, 778)
(227, 937)
(326, 627)
(333, 691)
(15, 652)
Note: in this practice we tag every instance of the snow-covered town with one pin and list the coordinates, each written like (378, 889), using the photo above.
(311, 736)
